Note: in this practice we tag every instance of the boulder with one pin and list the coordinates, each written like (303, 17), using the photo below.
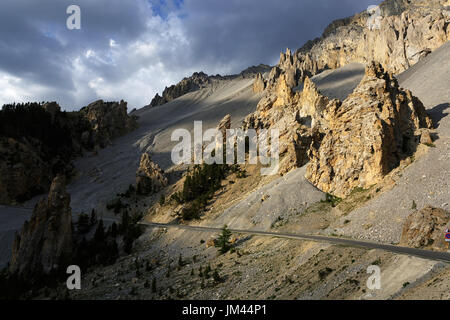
(425, 229)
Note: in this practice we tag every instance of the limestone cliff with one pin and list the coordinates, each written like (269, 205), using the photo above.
(351, 143)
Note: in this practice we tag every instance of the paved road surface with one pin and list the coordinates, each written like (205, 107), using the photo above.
(425, 254)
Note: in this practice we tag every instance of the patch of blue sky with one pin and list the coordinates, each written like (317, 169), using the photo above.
(163, 8)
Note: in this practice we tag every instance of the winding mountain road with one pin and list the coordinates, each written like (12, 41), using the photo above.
(425, 254)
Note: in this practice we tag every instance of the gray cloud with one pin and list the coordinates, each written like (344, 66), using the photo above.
(132, 49)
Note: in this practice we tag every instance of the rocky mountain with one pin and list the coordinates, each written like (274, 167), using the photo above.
(199, 80)
(356, 150)
(397, 35)
(401, 35)
(348, 144)
(46, 240)
(196, 81)
(358, 141)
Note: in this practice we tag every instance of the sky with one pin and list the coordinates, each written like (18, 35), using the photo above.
(133, 49)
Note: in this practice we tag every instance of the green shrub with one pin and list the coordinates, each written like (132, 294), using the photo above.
(333, 200)
(324, 273)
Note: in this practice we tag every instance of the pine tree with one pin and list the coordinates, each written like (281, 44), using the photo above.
(223, 242)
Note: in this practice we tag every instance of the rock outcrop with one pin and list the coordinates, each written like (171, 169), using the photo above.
(196, 81)
(281, 110)
(224, 125)
(349, 144)
(358, 141)
(259, 85)
(426, 229)
(355, 142)
(397, 34)
(150, 177)
(45, 242)
(108, 120)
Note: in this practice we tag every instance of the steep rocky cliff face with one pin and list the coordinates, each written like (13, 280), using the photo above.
(425, 229)
(150, 177)
(46, 240)
(290, 113)
(38, 141)
(397, 35)
(358, 141)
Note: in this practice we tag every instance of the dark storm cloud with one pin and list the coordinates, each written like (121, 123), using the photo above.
(244, 32)
(132, 49)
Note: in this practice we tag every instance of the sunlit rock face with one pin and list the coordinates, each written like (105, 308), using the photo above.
(357, 142)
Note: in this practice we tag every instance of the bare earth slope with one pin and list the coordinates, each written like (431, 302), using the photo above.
(114, 168)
